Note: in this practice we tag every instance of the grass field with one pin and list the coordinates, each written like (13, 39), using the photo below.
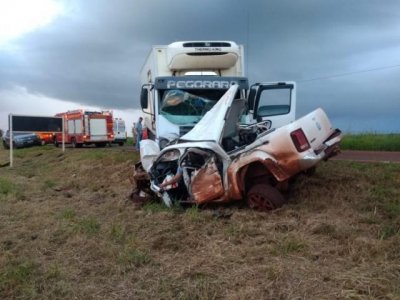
(69, 231)
(371, 142)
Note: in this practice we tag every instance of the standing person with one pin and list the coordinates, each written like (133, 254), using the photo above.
(139, 132)
(134, 134)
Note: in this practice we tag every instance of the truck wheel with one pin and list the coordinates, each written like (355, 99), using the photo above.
(163, 143)
(263, 197)
(121, 143)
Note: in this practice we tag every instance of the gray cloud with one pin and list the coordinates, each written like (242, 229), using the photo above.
(94, 53)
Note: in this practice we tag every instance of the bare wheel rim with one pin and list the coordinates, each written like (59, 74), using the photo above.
(264, 197)
(260, 202)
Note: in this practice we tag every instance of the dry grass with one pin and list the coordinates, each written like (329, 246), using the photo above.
(67, 231)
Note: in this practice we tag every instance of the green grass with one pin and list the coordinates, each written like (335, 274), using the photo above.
(156, 207)
(129, 141)
(118, 232)
(132, 258)
(67, 214)
(6, 186)
(388, 231)
(289, 245)
(17, 275)
(93, 154)
(371, 142)
(49, 184)
(10, 190)
(90, 226)
(193, 213)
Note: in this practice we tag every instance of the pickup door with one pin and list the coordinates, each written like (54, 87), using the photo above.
(275, 102)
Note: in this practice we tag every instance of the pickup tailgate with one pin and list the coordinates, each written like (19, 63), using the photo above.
(316, 127)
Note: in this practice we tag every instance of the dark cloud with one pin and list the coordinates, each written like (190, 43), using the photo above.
(93, 54)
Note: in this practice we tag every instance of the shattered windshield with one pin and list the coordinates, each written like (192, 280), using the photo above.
(181, 107)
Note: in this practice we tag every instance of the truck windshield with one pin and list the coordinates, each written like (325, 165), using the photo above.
(181, 107)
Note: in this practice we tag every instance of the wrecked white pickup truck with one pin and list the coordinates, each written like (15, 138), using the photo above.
(221, 161)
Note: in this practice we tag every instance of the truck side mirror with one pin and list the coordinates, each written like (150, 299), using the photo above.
(144, 102)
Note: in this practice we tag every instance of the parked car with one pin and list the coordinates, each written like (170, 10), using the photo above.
(45, 137)
(221, 161)
(21, 139)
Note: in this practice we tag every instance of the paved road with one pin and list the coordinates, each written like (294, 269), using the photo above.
(368, 156)
(360, 156)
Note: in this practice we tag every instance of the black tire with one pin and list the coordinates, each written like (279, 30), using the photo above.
(5, 145)
(264, 197)
(121, 143)
(74, 144)
(163, 143)
(310, 171)
(55, 142)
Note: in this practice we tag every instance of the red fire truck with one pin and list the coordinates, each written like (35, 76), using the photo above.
(85, 128)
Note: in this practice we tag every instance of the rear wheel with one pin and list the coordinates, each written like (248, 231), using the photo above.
(264, 197)
(310, 171)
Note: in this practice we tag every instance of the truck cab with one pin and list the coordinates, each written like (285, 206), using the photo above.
(181, 102)
(184, 80)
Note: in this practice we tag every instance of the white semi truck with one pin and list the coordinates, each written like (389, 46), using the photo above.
(183, 80)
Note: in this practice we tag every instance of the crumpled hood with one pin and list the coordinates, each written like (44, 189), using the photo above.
(211, 126)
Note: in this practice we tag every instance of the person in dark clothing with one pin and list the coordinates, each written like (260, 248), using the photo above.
(139, 132)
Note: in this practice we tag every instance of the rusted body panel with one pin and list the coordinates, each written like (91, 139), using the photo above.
(277, 158)
(207, 185)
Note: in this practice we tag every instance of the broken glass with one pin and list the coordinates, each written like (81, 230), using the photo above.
(181, 107)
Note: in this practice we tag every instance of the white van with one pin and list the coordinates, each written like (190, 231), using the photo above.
(119, 131)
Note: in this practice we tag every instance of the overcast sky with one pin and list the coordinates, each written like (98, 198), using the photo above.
(344, 54)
